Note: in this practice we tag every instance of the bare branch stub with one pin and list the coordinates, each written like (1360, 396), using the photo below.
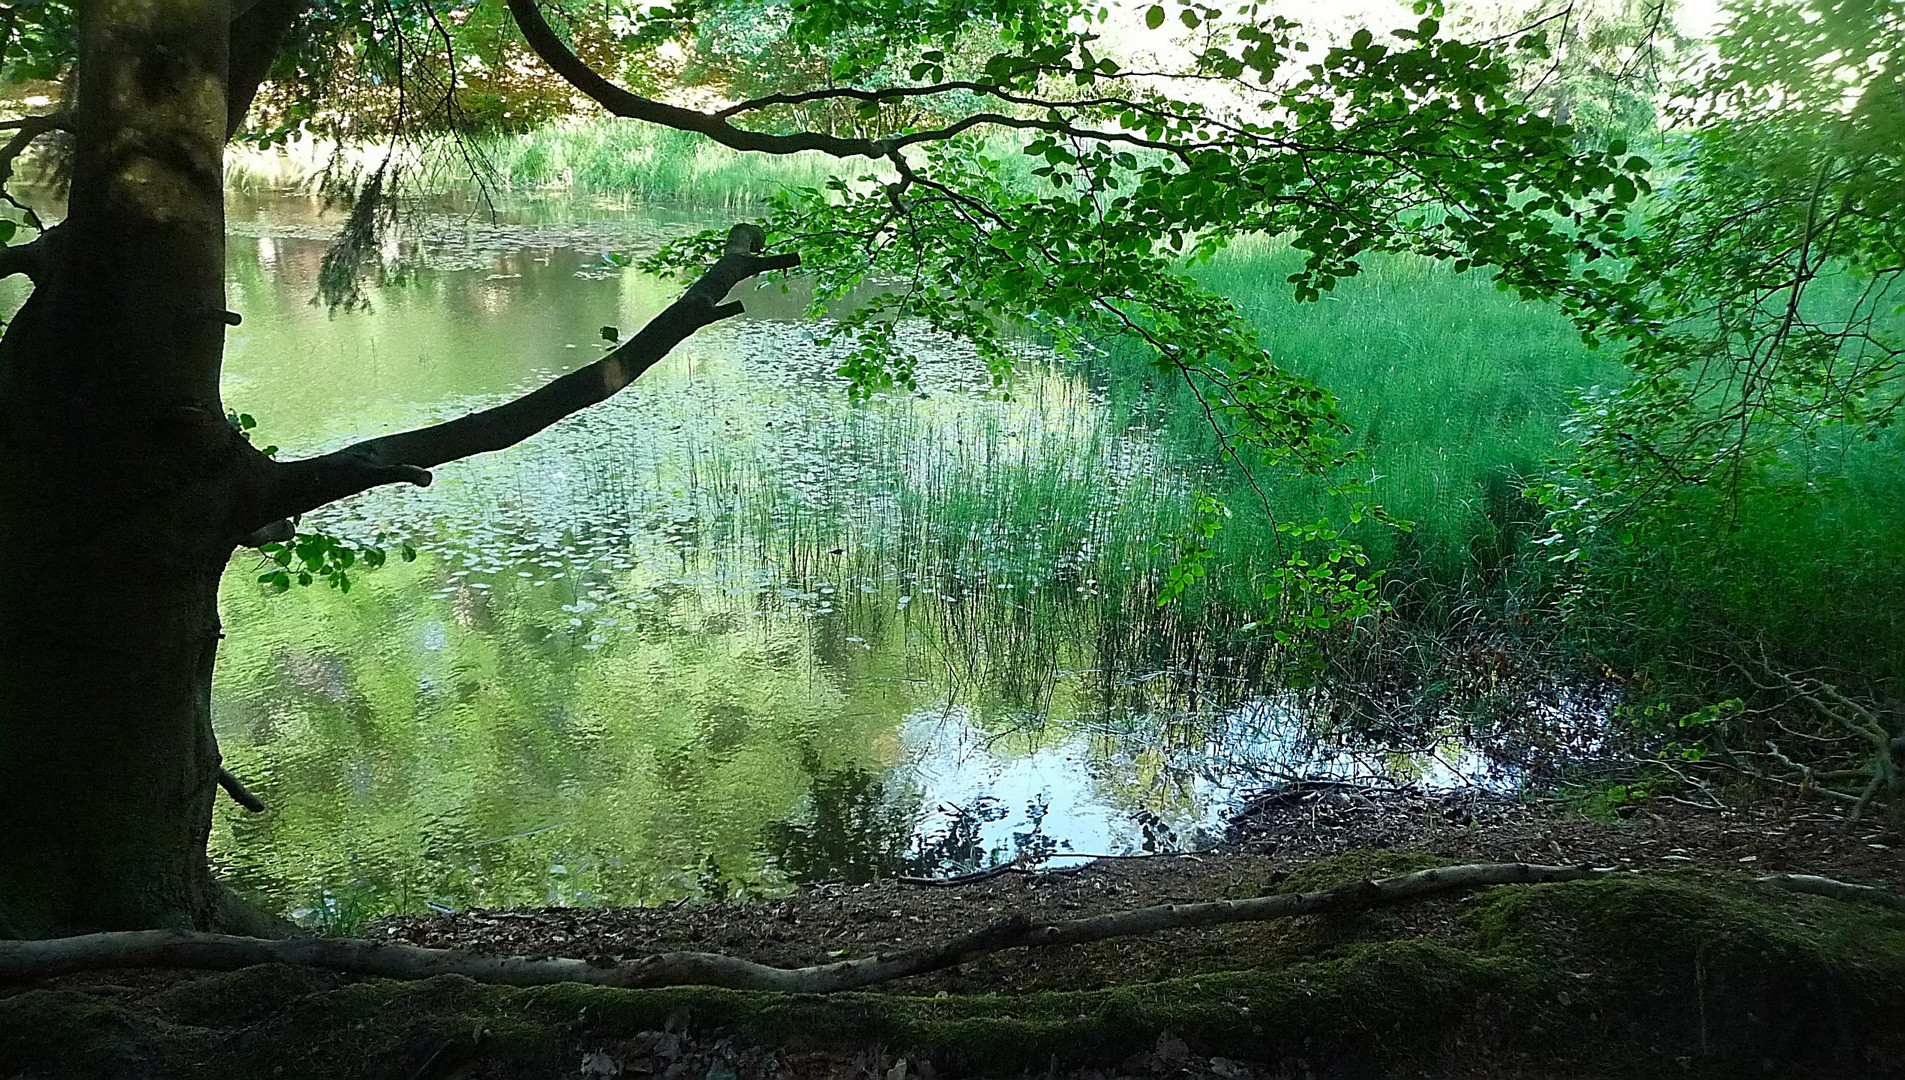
(407, 457)
(240, 794)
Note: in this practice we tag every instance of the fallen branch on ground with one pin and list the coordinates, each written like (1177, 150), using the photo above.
(1879, 725)
(1814, 885)
(221, 952)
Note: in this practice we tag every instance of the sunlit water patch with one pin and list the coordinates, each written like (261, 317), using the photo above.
(725, 632)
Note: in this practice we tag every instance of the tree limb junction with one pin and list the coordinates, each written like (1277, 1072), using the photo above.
(25, 130)
(258, 29)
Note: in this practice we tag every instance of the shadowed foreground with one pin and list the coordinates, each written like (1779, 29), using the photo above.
(1662, 974)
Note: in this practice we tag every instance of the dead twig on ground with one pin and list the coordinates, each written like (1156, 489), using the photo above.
(1879, 727)
(1814, 885)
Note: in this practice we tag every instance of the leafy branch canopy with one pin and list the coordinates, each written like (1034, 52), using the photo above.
(1150, 149)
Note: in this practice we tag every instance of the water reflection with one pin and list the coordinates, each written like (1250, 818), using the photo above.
(723, 632)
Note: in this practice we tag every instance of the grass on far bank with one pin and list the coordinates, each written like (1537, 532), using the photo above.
(596, 158)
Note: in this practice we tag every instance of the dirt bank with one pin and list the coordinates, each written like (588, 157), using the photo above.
(1687, 968)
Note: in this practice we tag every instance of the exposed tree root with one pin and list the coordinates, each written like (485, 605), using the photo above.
(20, 960)
(187, 949)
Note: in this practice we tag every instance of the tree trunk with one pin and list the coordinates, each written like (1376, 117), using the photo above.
(124, 490)
(121, 486)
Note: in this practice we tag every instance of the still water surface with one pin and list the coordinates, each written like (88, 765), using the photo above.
(724, 632)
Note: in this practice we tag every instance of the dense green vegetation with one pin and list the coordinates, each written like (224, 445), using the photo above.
(1465, 404)
(1212, 406)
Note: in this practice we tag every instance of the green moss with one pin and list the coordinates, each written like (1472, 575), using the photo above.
(1637, 975)
(1353, 866)
(1710, 961)
(75, 1034)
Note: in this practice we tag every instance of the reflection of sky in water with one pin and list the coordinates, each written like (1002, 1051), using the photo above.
(1081, 779)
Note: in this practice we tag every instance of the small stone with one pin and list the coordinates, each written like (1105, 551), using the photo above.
(600, 1064)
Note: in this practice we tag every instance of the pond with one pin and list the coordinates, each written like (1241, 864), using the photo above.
(726, 632)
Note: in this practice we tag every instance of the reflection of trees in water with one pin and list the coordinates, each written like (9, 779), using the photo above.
(857, 826)
(851, 829)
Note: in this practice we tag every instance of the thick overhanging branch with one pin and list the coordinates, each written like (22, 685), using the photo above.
(625, 103)
(301, 486)
(29, 258)
(258, 29)
(542, 38)
(275, 532)
(25, 130)
(178, 948)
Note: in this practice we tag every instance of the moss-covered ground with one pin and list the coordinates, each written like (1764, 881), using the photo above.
(1656, 974)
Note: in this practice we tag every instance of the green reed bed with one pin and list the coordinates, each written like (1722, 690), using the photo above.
(1455, 394)
(1449, 385)
(642, 162)
(1033, 545)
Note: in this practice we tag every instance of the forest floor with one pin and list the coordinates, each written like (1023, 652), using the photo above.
(1685, 968)
(1270, 840)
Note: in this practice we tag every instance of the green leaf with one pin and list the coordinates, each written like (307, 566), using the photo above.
(1154, 17)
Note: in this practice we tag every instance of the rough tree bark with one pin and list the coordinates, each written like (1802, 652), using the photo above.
(117, 497)
(125, 491)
